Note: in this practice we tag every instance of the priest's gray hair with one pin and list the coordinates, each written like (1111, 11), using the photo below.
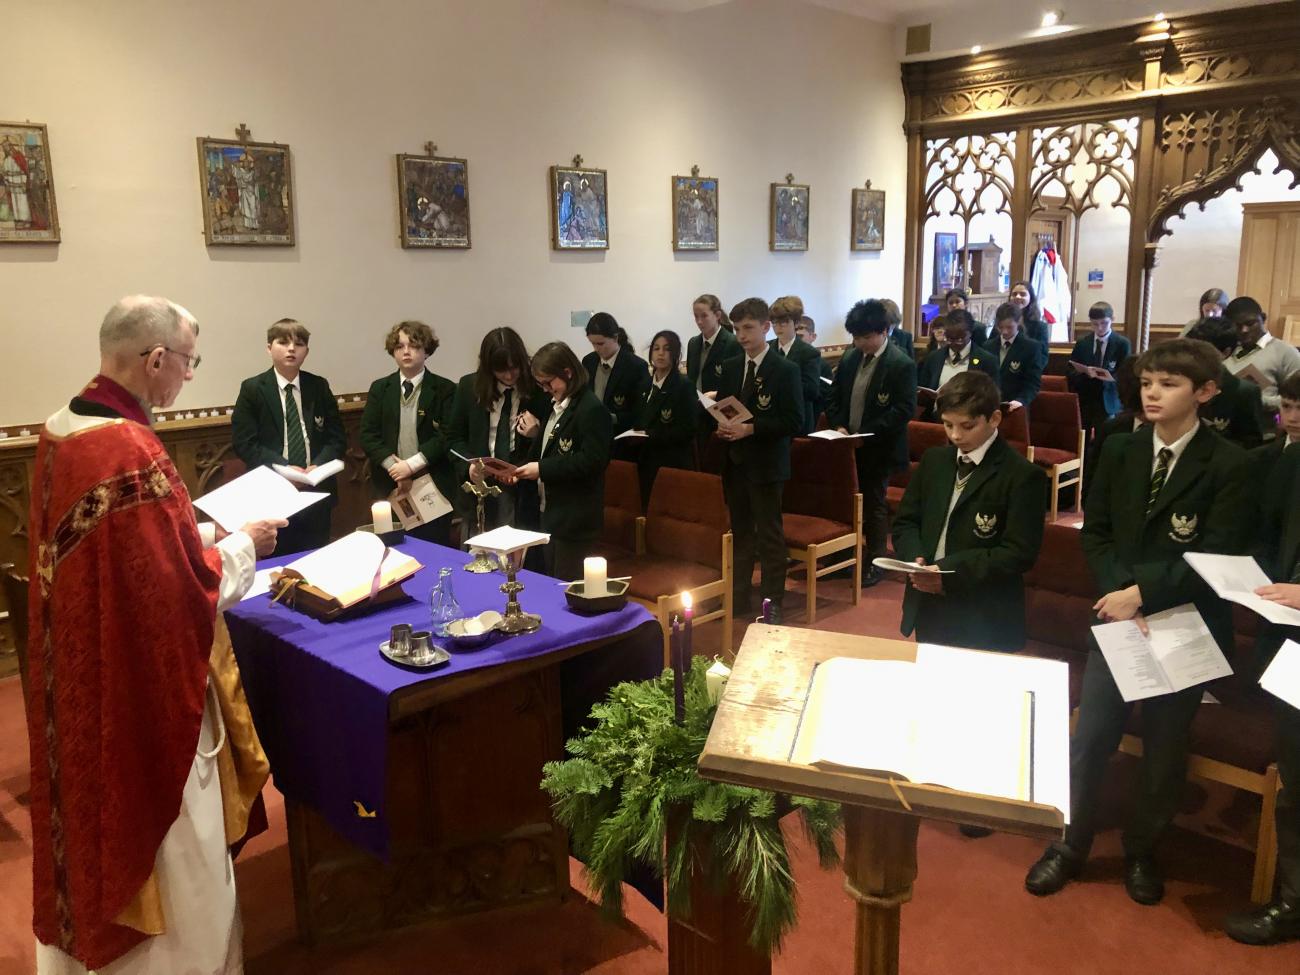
(140, 322)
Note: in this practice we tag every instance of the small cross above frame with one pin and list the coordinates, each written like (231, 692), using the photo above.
(243, 133)
(789, 178)
(430, 149)
(695, 171)
(577, 162)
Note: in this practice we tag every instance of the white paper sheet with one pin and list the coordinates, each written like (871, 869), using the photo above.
(507, 539)
(632, 435)
(836, 435)
(897, 565)
(257, 495)
(312, 478)
(1235, 578)
(1282, 677)
(1179, 653)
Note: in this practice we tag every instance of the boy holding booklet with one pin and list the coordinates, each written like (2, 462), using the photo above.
(1279, 554)
(289, 417)
(974, 509)
(1171, 487)
(406, 424)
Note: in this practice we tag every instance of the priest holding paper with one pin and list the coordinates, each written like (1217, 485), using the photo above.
(145, 765)
(1170, 488)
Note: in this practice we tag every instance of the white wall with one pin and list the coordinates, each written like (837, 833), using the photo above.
(1204, 248)
(515, 86)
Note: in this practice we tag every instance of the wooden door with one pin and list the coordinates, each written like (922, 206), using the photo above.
(1269, 267)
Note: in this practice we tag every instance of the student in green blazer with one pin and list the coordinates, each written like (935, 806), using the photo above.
(667, 414)
(262, 430)
(806, 329)
(569, 456)
(405, 425)
(705, 354)
(975, 508)
(786, 313)
(1170, 488)
(757, 457)
(1279, 554)
(616, 375)
(1237, 412)
(491, 405)
(1020, 359)
(875, 394)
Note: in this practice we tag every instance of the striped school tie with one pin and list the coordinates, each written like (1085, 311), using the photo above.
(293, 429)
(1159, 476)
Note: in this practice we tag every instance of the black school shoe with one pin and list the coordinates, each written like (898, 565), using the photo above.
(1053, 871)
(1142, 880)
(871, 575)
(1271, 924)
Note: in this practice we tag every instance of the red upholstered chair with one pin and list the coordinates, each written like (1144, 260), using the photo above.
(1056, 431)
(1015, 426)
(822, 512)
(684, 545)
(622, 509)
(921, 436)
(1055, 384)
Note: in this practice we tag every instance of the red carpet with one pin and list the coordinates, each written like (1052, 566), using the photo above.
(970, 914)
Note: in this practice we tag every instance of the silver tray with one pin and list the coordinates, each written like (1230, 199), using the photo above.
(439, 658)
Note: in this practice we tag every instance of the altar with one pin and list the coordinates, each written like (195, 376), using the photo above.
(410, 795)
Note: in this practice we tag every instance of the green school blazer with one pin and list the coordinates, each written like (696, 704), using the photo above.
(777, 404)
(809, 360)
(724, 347)
(381, 422)
(572, 467)
(1205, 506)
(993, 538)
(889, 405)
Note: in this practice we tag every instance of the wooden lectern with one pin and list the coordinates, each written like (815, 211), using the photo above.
(750, 744)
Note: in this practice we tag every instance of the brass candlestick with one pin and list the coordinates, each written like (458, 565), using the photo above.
(478, 486)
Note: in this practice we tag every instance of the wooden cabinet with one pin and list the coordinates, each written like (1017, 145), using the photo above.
(1269, 268)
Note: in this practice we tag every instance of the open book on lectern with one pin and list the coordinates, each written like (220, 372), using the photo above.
(352, 569)
(958, 719)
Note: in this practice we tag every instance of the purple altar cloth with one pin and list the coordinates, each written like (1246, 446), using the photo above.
(319, 692)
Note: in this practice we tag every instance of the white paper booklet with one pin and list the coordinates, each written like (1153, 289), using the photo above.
(507, 539)
(354, 567)
(1235, 578)
(897, 565)
(890, 717)
(633, 435)
(728, 410)
(1179, 653)
(1282, 677)
(259, 494)
(836, 435)
(420, 504)
(311, 478)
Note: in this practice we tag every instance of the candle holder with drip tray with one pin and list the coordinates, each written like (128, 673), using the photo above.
(507, 547)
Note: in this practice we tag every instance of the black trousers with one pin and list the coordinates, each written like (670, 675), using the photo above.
(1288, 803)
(873, 479)
(1103, 714)
(757, 530)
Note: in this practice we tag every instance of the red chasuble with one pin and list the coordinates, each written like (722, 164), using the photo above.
(123, 604)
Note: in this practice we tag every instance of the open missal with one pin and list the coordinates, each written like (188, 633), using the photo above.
(349, 571)
(898, 719)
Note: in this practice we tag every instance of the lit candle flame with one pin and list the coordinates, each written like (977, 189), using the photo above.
(688, 604)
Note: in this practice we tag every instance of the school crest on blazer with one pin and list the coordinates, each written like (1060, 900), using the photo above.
(620, 399)
(565, 444)
(666, 415)
(319, 421)
(1219, 424)
(764, 401)
(1015, 365)
(883, 398)
(1184, 528)
(986, 526)
(717, 369)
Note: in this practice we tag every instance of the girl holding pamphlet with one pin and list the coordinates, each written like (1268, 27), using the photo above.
(570, 452)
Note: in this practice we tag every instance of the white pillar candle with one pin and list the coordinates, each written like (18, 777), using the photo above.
(714, 679)
(381, 513)
(593, 577)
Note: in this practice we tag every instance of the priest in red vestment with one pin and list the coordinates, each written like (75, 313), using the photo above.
(144, 762)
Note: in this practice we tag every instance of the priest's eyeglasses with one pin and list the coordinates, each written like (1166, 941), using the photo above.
(192, 362)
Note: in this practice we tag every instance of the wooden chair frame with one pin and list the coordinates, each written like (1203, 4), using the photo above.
(807, 559)
(1266, 785)
(1060, 476)
(664, 606)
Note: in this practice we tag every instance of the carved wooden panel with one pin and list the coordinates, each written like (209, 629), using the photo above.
(1203, 152)
(1072, 162)
(1009, 88)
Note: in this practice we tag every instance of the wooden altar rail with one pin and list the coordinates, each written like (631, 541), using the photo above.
(201, 449)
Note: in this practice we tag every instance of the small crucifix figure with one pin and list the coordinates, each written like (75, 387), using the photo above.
(789, 178)
(430, 149)
(577, 162)
(695, 171)
(243, 133)
(868, 184)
